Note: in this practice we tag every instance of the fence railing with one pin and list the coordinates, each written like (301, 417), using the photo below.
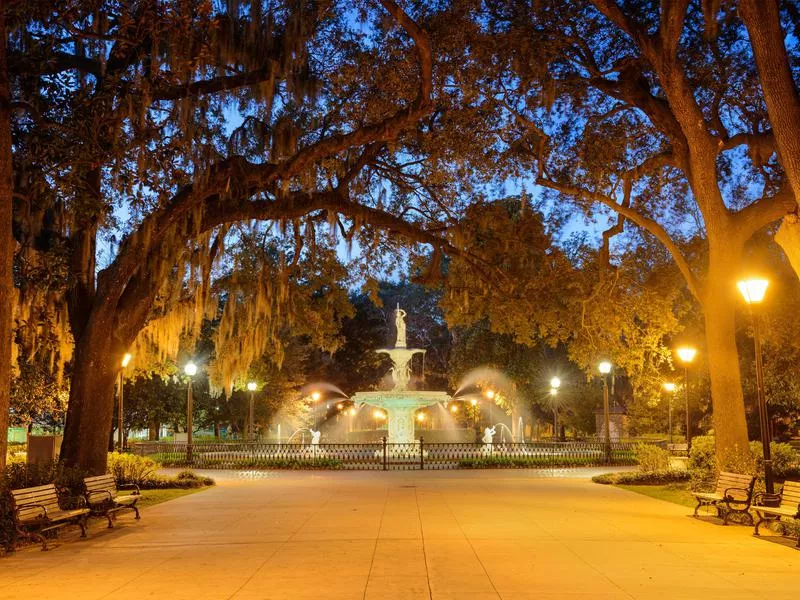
(386, 456)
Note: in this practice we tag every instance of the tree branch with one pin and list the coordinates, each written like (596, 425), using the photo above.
(641, 220)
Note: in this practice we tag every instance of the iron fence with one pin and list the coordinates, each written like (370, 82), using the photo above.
(387, 456)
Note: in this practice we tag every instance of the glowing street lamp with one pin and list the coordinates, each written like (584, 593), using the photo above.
(126, 359)
(420, 417)
(753, 291)
(670, 388)
(490, 394)
(555, 383)
(453, 408)
(315, 396)
(474, 402)
(686, 355)
(251, 386)
(191, 370)
(605, 368)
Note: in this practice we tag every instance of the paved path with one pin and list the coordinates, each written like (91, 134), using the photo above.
(462, 535)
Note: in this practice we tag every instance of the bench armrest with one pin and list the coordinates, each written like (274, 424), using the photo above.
(89, 496)
(130, 486)
(30, 505)
(765, 499)
(745, 499)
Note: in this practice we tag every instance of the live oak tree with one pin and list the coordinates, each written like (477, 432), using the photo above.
(124, 109)
(653, 111)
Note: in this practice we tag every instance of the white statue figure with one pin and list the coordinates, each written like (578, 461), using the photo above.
(315, 435)
(488, 435)
(400, 324)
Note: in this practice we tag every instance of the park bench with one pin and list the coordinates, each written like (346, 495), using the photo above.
(103, 498)
(678, 449)
(785, 504)
(733, 494)
(37, 510)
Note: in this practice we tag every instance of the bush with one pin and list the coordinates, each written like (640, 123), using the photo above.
(662, 477)
(652, 458)
(183, 480)
(702, 461)
(129, 468)
(784, 459)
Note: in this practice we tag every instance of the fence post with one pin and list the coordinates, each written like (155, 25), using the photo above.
(384, 452)
(421, 454)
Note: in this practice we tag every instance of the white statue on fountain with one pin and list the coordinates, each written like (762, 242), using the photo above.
(315, 436)
(488, 435)
(400, 325)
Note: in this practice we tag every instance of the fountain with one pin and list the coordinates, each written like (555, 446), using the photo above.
(400, 403)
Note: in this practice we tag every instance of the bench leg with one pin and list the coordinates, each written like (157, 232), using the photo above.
(110, 520)
(82, 525)
(696, 508)
(136, 510)
(758, 524)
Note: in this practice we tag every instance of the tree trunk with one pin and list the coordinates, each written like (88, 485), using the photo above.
(719, 308)
(91, 398)
(762, 19)
(6, 242)
(788, 237)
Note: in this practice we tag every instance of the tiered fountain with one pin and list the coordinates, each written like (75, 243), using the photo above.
(400, 403)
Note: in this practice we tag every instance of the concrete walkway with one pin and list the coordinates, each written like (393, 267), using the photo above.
(465, 535)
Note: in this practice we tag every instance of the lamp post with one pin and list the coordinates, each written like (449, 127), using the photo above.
(669, 387)
(124, 363)
(191, 370)
(555, 383)
(753, 291)
(686, 355)
(251, 386)
(605, 368)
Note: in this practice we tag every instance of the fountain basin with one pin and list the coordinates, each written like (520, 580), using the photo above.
(400, 407)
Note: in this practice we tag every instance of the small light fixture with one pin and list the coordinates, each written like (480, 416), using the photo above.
(251, 386)
(686, 354)
(339, 406)
(190, 369)
(352, 412)
(474, 402)
(126, 359)
(420, 416)
(453, 408)
(555, 383)
(753, 290)
(490, 393)
(315, 396)
(668, 386)
(604, 367)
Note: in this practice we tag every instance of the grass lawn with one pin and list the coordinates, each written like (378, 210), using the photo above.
(677, 493)
(153, 497)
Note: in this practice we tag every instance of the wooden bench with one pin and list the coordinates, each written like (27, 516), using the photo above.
(37, 510)
(733, 494)
(786, 504)
(678, 449)
(102, 497)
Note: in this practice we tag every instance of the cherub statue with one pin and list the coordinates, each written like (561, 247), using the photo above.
(315, 435)
(488, 435)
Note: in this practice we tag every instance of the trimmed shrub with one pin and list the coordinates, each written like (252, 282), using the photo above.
(663, 477)
(652, 458)
(785, 459)
(129, 468)
(702, 462)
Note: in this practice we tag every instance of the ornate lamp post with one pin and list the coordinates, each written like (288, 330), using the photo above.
(669, 387)
(605, 368)
(120, 384)
(753, 291)
(686, 355)
(251, 387)
(191, 370)
(555, 383)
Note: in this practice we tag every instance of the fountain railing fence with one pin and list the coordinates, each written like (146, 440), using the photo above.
(383, 455)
